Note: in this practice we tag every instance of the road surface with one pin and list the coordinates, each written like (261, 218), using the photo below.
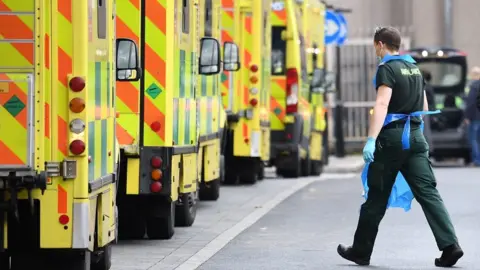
(297, 224)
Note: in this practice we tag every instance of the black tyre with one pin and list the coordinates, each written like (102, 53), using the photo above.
(249, 176)
(317, 168)
(296, 171)
(261, 171)
(102, 260)
(131, 227)
(161, 225)
(230, 177)
(4, 261)
(186, 210)
(209, 191)
(306, 165)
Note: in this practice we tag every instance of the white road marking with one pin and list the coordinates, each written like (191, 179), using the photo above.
(224, 238)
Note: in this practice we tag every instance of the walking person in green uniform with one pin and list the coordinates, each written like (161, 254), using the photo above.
(396, 144)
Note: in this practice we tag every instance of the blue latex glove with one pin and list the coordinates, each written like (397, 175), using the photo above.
(369, 149)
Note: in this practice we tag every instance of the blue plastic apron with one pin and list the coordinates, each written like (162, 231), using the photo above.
(401, 195)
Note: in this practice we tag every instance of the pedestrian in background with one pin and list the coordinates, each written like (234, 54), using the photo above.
(400, 102)
(472, 115)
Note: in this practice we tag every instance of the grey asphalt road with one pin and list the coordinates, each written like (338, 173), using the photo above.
(216, 224)
(304, 230)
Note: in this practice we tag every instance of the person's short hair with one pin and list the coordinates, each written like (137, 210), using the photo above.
(426, 75)
(389, 36)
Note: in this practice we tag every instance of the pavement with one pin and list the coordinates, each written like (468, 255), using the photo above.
(346, 164)
(297, 224)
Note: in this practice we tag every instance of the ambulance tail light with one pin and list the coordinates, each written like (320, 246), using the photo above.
(157, 175)
(156, 162)
(77, 147)
(77, 84)
(156, 187)
(253, 102)
(292, 90)
(254, 68)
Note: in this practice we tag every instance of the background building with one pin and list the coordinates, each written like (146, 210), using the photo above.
(451, 23)
(425, 21)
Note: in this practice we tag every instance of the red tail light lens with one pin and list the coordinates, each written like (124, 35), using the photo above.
(77, 147)
(292, 90)
(253, 102)
(254, 68)
(156, 187)
(156, 162)
(77, 84)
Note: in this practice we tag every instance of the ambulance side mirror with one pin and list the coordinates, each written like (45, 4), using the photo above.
(209, 56)
(231, 58)
(128, 61)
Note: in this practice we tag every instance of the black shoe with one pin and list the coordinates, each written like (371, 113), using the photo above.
(450, 256)
(348, 254)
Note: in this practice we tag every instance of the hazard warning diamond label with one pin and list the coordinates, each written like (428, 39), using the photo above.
(14, 106)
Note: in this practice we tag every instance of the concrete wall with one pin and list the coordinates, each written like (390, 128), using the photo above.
(423, 20)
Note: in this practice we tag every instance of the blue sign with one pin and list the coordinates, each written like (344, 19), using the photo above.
(332, 27)
(342, 36)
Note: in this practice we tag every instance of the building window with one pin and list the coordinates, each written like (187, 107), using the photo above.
(185, 16)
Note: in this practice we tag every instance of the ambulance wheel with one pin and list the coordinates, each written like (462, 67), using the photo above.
(161, 227)
(209, 191)
(81, 261)
(131, 227)
(249, 176)
(261, 171)
(296, 171)
(102, 259)
(317, 168)
(306, 166)
(4, 261)
(230, 178)
(186, 210)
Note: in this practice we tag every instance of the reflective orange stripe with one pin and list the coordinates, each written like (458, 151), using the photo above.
(64, 66)
(62, 136)
(155, 65)
(128, 93)
(62, 206)
(65, 8)
(47, 51)
(154, 114)
(136, 3)
(124, 31)
(282, 15)
(156, 13)
(274, 105)
(11, 27)
(8, 157)
(123, 136)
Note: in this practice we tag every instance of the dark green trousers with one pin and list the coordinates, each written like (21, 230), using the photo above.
(414, 164)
